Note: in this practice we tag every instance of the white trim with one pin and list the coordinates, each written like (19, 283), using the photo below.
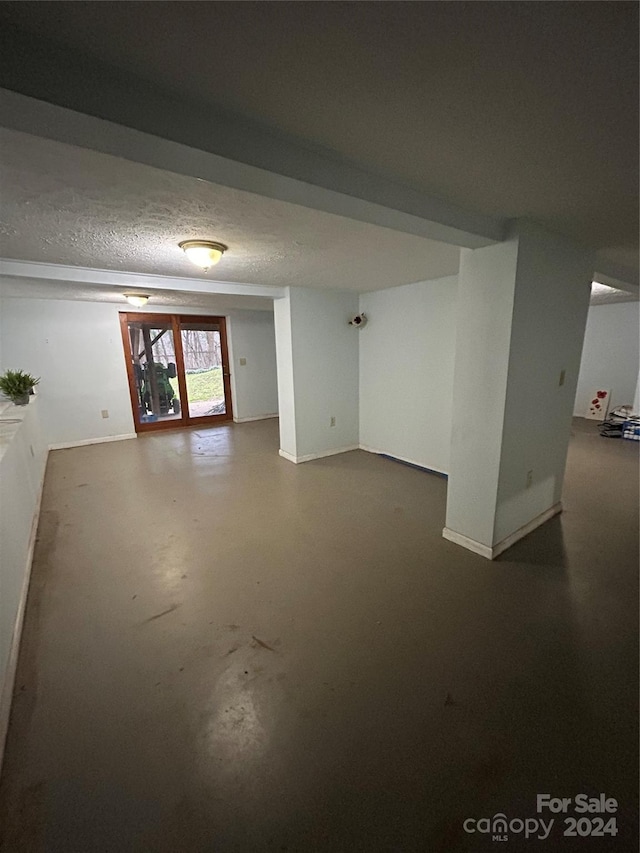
(89, 275)
(521, 532)
(469, 544)
(254, 418)
(311, 456)
(66, 444)
(6, 695)
(508, 541)
(427, 468)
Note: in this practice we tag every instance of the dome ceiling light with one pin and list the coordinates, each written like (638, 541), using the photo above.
(203, 253)
(137, 299)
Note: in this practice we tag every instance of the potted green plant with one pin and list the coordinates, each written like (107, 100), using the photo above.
(17, 385)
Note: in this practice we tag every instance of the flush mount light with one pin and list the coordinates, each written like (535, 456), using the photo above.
(203, 253)
(137, 299)
(598, 289)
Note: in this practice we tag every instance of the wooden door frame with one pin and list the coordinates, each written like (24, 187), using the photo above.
(173, 321)
(208, 319)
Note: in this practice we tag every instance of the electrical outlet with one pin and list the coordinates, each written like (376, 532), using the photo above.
(529, 478)
(243, 361)
(563, 374)
(332, 422)
(105, 413)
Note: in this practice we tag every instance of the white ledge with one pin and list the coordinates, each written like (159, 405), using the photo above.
(11, 419)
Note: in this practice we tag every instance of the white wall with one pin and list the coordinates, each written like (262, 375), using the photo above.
(522, 309)
(483, 329)
(318, 372)
(325, 369)
(286, 387)
(551, 303)
(254, 384)
(22, 463)
(76, 349)
(610, 355)
(407, 353)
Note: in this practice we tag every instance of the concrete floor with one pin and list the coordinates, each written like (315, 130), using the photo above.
(226, 652)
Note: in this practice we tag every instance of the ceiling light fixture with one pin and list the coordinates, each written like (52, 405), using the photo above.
(137, 299)
(598, 288)
(203, 253)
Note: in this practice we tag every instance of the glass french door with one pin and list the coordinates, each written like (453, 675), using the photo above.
(206, 377)
(178, 369)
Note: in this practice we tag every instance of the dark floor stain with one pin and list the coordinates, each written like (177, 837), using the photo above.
(80, 485)
(231, 651)
(164, 613)
(48, 526)
(263, 644)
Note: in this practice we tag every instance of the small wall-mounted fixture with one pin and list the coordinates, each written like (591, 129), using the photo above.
(203, 253)
(359, 321)
(137, 299)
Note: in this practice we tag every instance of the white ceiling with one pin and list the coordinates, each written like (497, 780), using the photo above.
(508, 109)
(73, 206)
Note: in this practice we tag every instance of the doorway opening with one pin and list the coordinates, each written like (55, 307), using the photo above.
(178, 369)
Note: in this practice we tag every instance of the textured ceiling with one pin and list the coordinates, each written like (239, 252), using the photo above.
(72, 206)
(508, 109)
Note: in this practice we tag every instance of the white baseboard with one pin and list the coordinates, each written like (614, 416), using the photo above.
(427, 468)
(508, 541)
(254, 418)
(310, 456)
(66, 444)
(469, 544)
(6, 695)
(521, 532)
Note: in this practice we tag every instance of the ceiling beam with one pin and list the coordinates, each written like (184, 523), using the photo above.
(134, 281)
(257, 161)
(614, 275)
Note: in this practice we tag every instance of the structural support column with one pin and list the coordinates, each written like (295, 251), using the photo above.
(284, 365)
(317, 359)
(522, 310)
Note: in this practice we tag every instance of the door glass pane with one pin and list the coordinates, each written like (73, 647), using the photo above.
(154, 369)
(202, 351)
